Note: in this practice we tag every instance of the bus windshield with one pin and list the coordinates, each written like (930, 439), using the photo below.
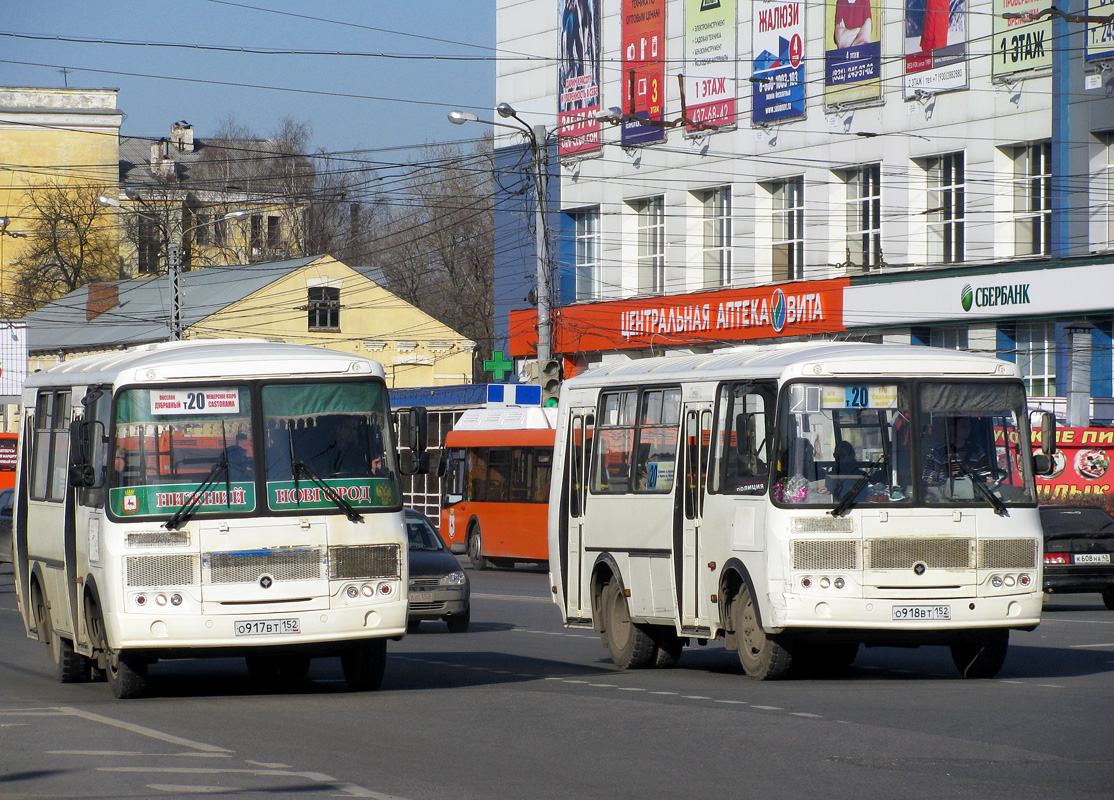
(171, 442)
(845, 444)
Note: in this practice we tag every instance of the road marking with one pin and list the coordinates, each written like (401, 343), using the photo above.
(694, 697)
(630, 689)
(350, 789)
(132, 753)
(1045, 621)
(142, 731)
(177, 788)
(769, 708)
(804, 714)
(1087, 646)
(603, 685)
(673, 693)
(524, 598)
(733, 702)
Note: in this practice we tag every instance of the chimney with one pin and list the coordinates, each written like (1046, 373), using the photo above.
(102, 297)
(162, 166)
(181, 136)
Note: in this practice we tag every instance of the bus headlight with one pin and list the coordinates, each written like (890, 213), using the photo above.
(996, 581)
(353, 592)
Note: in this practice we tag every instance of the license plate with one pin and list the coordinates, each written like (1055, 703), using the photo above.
(917, 613)
(266, 627)
(421, 597)
(1092, 558)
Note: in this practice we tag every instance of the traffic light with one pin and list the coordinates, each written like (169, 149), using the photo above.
(550, 379)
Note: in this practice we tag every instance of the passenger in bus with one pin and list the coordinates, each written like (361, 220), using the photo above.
(803, 461)
(120, 465)
(239, 460)
(845, 470)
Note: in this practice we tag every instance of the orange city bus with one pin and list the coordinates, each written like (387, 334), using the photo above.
(495, 472)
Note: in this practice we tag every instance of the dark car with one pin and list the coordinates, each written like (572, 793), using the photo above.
(438, 586)
(6, 498)
(1078, 550)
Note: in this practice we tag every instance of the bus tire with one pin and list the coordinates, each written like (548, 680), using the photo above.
(458, 623)
(980, 654)
(476, 547)
(667, 647)
(67, 665)
(762, 658)
(364, 664)
(127, 678)
(630, 643)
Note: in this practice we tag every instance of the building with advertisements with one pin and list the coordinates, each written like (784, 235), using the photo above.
(727, 172)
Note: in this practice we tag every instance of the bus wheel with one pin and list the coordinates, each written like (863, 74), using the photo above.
(980, 654)
(364, 665)
(126, 677)
(762, 658)
(68, 666)
(476, 547)
(668, 646)
(630, 644)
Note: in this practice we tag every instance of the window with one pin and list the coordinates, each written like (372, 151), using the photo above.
(745, 426)
(220, 232)
(256, 240)
(1036, 356)
(788, 256)
(864, 216)
(716, 243)
(945, 208)
(948, 338)
(201, 232)
(651, 244)
(586, 225)
(636, 441)
(51, 448)
(324, 308)
(1032, 199)
(274, 233)
(149, 244)
(1102, 195)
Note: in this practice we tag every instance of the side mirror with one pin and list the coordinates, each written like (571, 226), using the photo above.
(1048, 434)
(1043, 464)
(414, 463)
(82, 472)
(443, 464)
(417, 431)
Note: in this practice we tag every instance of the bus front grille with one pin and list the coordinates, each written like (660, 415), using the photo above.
(826, 554)
(1008, 554)
(364, 561)
(250, 566)
(176, 570)
(159, 539)
(942, 553)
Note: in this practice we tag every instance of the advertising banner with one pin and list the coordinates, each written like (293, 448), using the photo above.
(711, 53)
(578, 76)
(643, 66)
(730, 315)
(778, 71)
(1100, 37)
(1081, 468)
(1020, 45)
(13, 360)
(935, 45)
(853, 51)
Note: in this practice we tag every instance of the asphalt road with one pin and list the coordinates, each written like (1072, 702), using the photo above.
(519, 707)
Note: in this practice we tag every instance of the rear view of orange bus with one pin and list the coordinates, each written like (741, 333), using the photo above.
(495, 471)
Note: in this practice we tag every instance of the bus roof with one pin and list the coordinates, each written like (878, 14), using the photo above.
(202, 358)
(796, 359)
(503, 426)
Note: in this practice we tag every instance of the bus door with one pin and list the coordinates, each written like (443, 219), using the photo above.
(686, 552)
(581, 423)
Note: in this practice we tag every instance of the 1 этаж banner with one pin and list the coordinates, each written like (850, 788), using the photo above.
(711, 53)
(852, 51)
(643, 69)
(1019, 45)
(935, 46)
(777, 38)
(578, 90)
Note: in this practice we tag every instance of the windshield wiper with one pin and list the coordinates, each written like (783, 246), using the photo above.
(979, 482)
(302, 468)
(849, 498)
(183, 514)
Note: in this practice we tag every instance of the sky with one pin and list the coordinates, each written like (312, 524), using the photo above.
(402, 64)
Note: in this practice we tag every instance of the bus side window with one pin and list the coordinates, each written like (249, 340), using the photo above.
(744, 414)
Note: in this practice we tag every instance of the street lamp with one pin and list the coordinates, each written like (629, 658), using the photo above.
(173, 263)
(538, 143)
(4, 223)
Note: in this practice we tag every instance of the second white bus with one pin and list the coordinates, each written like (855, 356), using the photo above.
(798, 500)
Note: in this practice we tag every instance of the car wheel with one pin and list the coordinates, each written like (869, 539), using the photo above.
(459, 622)
(630, 643)
(762, 658)
(364, 664)
(1108, 598)
(412, 625)
(476, 547)
(980, 654)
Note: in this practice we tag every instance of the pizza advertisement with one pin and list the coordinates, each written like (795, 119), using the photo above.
(1081, 467)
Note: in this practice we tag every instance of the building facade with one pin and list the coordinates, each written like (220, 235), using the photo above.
(736, 171)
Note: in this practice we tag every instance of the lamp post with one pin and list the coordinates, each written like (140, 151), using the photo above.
(538, 143)
(4, 223)
(173, 263)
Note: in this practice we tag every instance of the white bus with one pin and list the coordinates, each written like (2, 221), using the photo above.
(211, 498)
(799, 500)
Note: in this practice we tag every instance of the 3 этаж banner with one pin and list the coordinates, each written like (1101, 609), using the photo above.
(935, 46)
(853, 51)
(777, 38)
(643, 66)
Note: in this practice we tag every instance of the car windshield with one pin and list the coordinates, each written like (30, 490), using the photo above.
(847, 444)
(421, 534)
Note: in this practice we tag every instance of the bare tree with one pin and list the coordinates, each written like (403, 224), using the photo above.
(72, 241)
(436, 249)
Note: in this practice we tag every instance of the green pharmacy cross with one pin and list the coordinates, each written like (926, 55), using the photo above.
(498, 366)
